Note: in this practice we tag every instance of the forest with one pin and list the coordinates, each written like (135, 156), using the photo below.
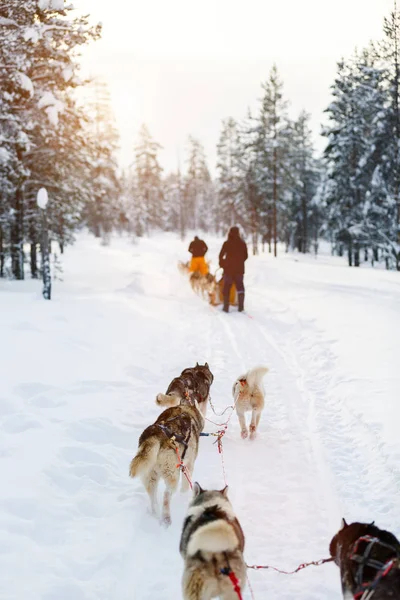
(57, 131)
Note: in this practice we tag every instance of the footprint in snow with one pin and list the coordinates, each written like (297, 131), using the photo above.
(19, 424)
(100, 431)
(30, 389)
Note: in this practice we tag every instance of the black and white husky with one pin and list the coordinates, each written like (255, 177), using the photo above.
(212, 545)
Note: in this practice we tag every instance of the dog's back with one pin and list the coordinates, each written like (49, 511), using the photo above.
(377, 550)
(212, 545)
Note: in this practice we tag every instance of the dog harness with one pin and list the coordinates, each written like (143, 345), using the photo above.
(365, 589)
(184, 440)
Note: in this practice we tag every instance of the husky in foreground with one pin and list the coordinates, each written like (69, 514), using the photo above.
(369, 562)
(176, 429)
(212, 545)
(195, 380)
(248, 394)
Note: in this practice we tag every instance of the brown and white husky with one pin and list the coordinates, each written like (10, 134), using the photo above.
(177, 428)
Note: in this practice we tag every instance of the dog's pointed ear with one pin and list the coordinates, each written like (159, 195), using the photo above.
(343, 524)
(371, 524)
(197, 364)
(206, 365)
(197, 489)
(224, 492)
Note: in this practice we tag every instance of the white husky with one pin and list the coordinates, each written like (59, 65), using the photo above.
(248, 393)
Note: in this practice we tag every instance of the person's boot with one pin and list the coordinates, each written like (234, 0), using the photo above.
(241, 302)
(226, 305)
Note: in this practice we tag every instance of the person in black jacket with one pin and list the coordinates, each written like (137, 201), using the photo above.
(197, 249)
(232, 258)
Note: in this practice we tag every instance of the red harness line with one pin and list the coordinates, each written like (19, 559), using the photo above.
(236, 585)
(183, 468)
(316, 563)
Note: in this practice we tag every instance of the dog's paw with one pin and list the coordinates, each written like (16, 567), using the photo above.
(166, 521)
(244, 433)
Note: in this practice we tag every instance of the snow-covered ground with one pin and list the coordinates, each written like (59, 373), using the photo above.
(79, 376)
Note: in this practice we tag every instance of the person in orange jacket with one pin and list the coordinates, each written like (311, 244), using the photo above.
(198, 249)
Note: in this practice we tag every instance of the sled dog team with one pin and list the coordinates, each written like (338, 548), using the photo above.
(212, 541)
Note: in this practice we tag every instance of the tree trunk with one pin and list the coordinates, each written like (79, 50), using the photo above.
(304, 233)
(356, 255)
(365, 254)
(45, 259)
(34, 270)
(17, 236)
(350, 254)
(275, 199)
(2, 256)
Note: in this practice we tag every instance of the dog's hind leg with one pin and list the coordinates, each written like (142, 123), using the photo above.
(151, 485)
(194, 586)
(242, 422)
(189, 464)
(171, 482)
(255, 420)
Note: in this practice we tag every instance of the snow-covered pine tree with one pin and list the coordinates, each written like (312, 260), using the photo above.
(38, 71)
(198, 189)
(229, 174)
(173, 201)
(272, 152)
(301, 183)
(103, 209)
(351, 114)
(148, 189)
(384, 208)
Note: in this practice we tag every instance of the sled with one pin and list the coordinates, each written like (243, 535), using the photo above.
(216, 296)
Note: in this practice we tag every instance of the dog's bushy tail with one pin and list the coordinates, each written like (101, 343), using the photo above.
(254, 376)
(145, 458)
(167, 400)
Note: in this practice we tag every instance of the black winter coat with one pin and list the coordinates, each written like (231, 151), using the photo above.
(233, 256)
(198, 248)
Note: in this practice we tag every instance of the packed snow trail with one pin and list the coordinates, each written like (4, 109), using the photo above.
(80, 375)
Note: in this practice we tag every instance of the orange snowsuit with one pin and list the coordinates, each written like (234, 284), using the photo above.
(198, 263)
(197, 249)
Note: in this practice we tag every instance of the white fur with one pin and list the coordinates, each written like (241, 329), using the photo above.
(253, 378)
(167, 400)
(141, 465)
(214, 537)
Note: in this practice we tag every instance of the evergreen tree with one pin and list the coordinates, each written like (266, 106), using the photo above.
(38, 72)
(271, 145)
(302, 182)
(103, 213)
(149, 201)
(198, 190)
(229, 174)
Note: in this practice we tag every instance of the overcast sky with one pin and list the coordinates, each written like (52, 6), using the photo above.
(181, 66)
